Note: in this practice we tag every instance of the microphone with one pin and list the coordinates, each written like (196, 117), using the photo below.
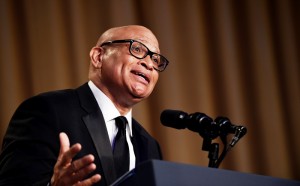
(240, 132)
(174, 118)
(227, 127)
(208, 129)
(197, 122)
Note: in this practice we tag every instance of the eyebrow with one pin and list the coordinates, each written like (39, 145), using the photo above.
(143, 41)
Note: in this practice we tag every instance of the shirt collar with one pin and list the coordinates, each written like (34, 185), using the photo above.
(109, 111)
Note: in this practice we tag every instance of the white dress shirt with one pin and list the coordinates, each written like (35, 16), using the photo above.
(110, 112)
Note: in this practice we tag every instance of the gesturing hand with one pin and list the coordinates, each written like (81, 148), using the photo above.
(69, 172)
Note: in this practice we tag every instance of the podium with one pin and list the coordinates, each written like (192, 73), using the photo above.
(163, 173)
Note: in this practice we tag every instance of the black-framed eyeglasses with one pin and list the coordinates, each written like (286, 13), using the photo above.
(140, 51)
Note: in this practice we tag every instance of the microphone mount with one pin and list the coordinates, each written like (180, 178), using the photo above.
(208, 129)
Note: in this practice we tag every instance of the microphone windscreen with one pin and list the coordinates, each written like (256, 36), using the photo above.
(173, 118)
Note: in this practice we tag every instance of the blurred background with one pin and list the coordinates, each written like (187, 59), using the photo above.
(238, 59)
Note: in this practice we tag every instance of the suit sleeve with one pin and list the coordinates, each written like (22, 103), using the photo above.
(30, 145)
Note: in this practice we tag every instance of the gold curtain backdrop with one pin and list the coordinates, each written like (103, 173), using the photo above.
(238, 59)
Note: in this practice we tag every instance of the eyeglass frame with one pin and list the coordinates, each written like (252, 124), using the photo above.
(149, 52)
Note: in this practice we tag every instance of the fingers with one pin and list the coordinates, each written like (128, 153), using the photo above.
(92, 180)
(64, 142)
(66, 154)
(69, 172)
(82, 167)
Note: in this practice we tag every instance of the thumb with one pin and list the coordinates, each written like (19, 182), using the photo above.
(64, 143)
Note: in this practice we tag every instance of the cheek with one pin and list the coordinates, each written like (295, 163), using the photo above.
(153, 83)
(155, 79)
(114, 64)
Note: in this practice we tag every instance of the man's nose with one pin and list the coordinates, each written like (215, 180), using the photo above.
(147, 62)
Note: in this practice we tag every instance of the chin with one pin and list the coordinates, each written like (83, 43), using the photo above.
(139, 96)
(140, 93)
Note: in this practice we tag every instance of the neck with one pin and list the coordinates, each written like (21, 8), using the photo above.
(121, 102)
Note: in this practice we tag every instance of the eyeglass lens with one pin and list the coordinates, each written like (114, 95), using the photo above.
(140, 51)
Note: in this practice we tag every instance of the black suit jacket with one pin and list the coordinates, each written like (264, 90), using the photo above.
(31, 143)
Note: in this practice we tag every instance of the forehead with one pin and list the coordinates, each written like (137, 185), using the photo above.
(137, 33)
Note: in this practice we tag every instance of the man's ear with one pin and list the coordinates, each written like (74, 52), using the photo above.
(96, 56)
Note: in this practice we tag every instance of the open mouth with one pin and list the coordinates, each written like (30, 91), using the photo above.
(144, 76)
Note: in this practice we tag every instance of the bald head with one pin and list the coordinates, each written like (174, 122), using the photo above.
(136, 32)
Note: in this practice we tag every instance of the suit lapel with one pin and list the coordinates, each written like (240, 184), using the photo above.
(98, 132)
(139, 143)
(145, 147)
(96, 126)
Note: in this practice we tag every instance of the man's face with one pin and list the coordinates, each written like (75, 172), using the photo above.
(126, 78)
